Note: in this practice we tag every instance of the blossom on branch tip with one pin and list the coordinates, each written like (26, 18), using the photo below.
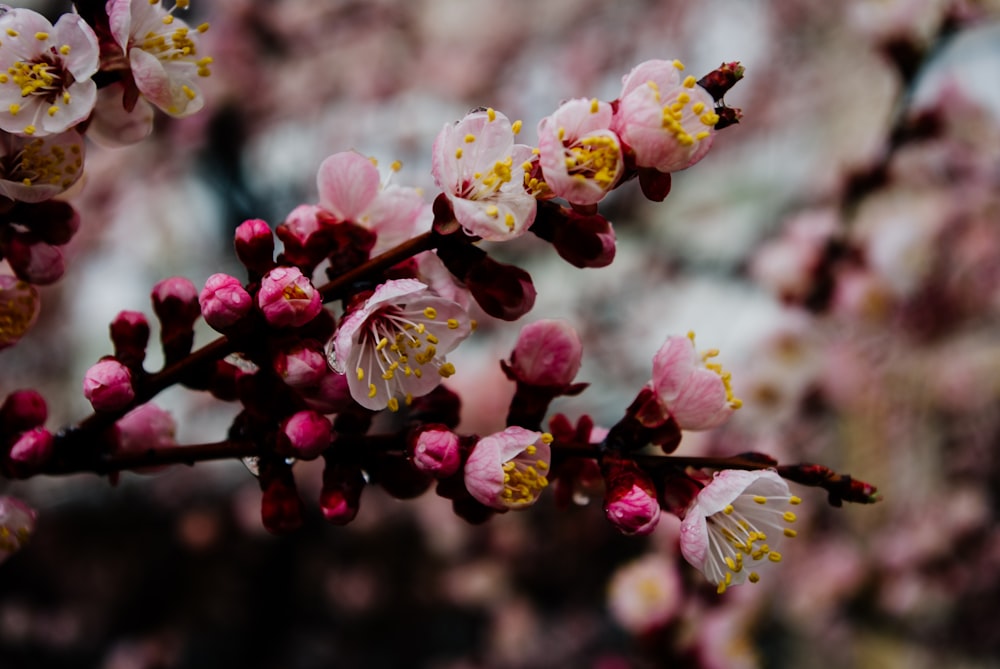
(107, 385)
(254, 244)
(509, 469)
(580, 156)
(696, 392)
(162, 53)
(436, 451)
(392, 347)
(34, 169)
(45, 72)
(287, 298)
(734, 527)
(351, 189)
(547, 353)
(667, 121)
(481, 172)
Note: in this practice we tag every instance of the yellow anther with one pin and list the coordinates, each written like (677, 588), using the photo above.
(202, 28)
(29, 130)
(774, 556)
(372, 390)
(452, 324)
(40, 36)
(492, 211)
(66, 98)
(789, 517)
(64, 49)
(12, 33)
(388, 374)
(542, 464)
(396, 166)
(432, 339)
(393, 404)
(361, 374)
(759, 499)
(753, 577)
(490, 114)
(728, 510)
(509, 221)
(794, 500)
(546, 438)
(14, 108)
(458, 152)
(698, 107)
(470, 138)
(516, 126)
(430, 312)
(530, 449)
(446, 370)
(167, 20)
(594, 106)
(689, 82)
(52, 110)
(408, 399)
(790, 533)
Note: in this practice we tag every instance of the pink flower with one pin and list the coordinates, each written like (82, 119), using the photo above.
(33, 169)
(45, 72)
(507, 470)
(224, 301)
(580, 155)
(666, 121)
(392, 347)
(350, 188)
(146, 426)
(630, 500)
(162, 52)
(547, 353)
(17, 522)
(645, 593)
(735, 525)
(107, 385)
(436, 451)
(697, 393)
(287, 298)
(19, 308)
(305, 435)
(481, 171)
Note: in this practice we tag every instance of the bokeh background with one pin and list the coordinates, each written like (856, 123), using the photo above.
(840, 246)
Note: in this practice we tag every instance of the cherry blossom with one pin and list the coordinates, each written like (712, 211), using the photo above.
(507, 470)
(481, 171)
(45, 72)
(33, 169)
(696, 392)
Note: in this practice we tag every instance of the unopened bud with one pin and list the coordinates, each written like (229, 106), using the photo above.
(22, 410)
(224, 301)
(108, 385)
(305, 435)
(436, 451)
(287, 298)
(255, 245)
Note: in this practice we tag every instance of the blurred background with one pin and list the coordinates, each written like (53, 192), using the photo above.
(840, 246)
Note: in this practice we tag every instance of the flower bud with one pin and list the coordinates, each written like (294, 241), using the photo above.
(547, 353)
(19, 306)
(436, 451)
(22, 410)
(175, 302)
(341, 493)
(287, 298)
(108, 385)
(630, 501)
(33, 260)
(17, 522)
(255, 245)
(503, 291)
(331, 394)
(305, 435)
(130, 335)
(280, 505)
(224, 301)
(31, 452)
(306, 237)
(302, 365)
(146, 426)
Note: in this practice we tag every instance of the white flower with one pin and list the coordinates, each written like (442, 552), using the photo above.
(45, 72)
(735, 525)
(33, 169)
(392, 348)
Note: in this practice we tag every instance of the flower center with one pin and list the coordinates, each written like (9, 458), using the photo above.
(524, 476)
(739, 535)
(174, 43)
(679, 114)
(594, 158)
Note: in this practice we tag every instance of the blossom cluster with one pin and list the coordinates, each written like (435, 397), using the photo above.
(312, 364)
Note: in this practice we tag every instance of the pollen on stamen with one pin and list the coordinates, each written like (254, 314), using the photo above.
(52, 110)
(12, 33)
(491, 114)
(430, 312)
(452, 324)
(361, 374)
(516, 126)
(372, 390)
(446, 370)
(678, 64)
(393, 404)
(594, 106)
(470, 138)
(41, 36)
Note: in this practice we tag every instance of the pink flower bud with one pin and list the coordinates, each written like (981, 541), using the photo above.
(287, 298)
(304, 364)
(31, 451)
(341, 493)
(436, 451)
(224, 301)
(547, 353)
(19, 306)
(33, 260)
(585, 241)
(503, 291)
(146, 426)
(255, 245)
(305, 435)
(22, 410)
(306, 236)
(508, 470)
(108, 385)
(630, 502)
(175, 302)
(130, 335)
(695, 391)
(17, 522)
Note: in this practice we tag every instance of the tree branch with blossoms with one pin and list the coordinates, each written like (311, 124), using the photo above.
(311, 364)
